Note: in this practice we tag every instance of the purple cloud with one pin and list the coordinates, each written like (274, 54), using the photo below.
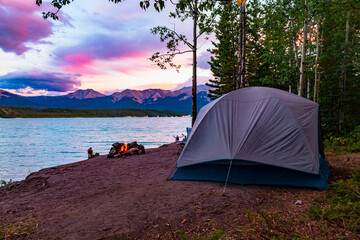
(203, 59)
(37, 80)
(20, 23)
(201, 80)
(106, 47)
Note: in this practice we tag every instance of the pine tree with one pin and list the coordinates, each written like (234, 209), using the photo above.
(339, 63)
(223, 63)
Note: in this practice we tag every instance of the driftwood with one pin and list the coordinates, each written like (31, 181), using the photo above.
(124, 149)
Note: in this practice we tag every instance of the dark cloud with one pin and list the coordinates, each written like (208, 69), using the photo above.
(20, 23)
(37, 80)
(203, 59)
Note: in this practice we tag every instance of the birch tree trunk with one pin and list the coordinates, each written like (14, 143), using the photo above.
(240, 51)
(303, 57)
(234, 67)
(243, 82)
(296, 58)
(319, 75)
(308, 79)
(317, 80)
(343, 75)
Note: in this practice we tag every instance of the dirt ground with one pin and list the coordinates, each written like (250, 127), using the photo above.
(130, 198)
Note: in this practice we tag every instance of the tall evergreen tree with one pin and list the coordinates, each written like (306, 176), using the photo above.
(339, 65)
(223, 63)
(255, 67)
(275, 32)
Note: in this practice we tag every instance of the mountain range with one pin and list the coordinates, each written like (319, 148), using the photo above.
(156, 99)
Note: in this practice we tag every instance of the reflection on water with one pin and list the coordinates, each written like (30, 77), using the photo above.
(28, 145)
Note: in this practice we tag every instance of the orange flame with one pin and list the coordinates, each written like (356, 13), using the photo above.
(124, 148)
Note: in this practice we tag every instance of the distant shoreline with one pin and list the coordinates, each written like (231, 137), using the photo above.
(94, 117)
(27, 112)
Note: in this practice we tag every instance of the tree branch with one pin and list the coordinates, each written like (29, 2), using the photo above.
(190, 5)
(176, 53)
(180, 37)
(203, 30)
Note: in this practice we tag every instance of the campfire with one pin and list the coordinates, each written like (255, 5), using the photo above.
(124, 149)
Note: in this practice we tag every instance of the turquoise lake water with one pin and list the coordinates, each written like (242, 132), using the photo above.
(28, 145)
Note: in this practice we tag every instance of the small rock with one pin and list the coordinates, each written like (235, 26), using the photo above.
(298, 202)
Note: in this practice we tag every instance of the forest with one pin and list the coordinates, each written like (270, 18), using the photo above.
(307, 47)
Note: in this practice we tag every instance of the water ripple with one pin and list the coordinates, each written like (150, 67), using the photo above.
(27, 145)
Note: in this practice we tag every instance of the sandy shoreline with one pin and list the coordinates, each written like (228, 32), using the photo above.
(130, 198)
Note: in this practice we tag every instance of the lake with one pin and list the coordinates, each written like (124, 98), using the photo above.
(28, 145)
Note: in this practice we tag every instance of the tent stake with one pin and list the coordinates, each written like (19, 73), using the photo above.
(227, 177)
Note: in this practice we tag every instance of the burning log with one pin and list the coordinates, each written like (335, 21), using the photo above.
(124, 149)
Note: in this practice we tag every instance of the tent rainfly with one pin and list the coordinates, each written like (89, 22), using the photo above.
(256, 135)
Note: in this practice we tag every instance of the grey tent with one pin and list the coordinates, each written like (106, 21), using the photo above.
(262, 135)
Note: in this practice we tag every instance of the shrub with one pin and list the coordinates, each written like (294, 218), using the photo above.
(348, 143)
(3, 182)
(341, 207)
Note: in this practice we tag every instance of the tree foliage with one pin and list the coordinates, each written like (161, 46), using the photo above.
(274, 36)
(202, 20)
(158, 5)
(224, 59)
(177, 42)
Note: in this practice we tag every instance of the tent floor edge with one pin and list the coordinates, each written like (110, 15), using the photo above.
(255, 175)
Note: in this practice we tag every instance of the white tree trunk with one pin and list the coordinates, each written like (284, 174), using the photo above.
(317, 79)
(243, 82)
(303, 60)
(296, 58)
(343, 75)
(308, 79)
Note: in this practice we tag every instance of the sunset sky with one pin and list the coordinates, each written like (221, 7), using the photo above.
(95, 44)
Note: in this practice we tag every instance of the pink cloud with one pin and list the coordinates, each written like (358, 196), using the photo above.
(79, 58)
(105, 47)
(78, 62)
(21, 23)
(78, 68)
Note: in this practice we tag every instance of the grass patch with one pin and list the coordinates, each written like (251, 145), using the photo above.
(17, 230)
(339, 209)
(334, 215)
(265, 225)
(350, 143)
(4, 182)
(214, 235)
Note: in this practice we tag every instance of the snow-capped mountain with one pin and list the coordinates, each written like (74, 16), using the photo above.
(157, 99)
(83, 94)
